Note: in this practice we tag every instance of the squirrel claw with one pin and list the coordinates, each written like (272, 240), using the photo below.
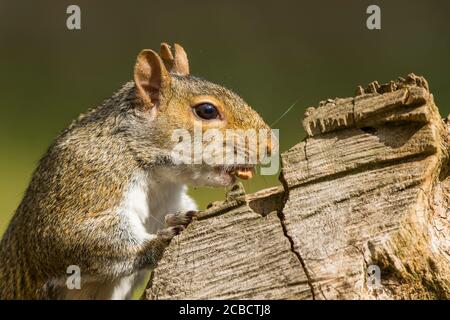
(180, 218)
(168, 233)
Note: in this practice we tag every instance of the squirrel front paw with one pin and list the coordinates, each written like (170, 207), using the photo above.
(176, 223)
(180, 218)
(168, 233)
(154, 249)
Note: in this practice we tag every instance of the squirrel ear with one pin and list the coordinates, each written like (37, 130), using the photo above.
(181, 63)
(166, 55)
(151, 77)
(177, 64)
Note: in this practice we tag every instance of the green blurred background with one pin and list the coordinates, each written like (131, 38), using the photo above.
(271, 53)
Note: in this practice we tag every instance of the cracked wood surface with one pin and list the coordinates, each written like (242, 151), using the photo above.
(368, 186)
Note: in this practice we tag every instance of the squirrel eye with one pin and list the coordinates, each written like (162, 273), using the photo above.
(206, 111)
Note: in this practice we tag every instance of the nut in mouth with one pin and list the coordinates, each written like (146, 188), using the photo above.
(242, 172)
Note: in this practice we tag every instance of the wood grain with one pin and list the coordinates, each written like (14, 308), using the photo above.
(369, 186)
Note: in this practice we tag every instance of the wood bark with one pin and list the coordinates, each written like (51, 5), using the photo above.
(368, 189)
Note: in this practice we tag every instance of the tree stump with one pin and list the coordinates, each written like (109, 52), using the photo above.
(363, 212)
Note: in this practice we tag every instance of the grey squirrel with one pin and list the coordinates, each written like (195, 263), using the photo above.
(98, 195)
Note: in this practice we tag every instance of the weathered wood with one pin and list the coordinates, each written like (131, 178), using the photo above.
(213, 260)
(369, 187)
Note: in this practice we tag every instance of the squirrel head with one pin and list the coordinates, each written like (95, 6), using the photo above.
(171, 103)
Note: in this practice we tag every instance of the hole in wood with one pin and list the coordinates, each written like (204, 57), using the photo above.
(370, 130)
(267, 204)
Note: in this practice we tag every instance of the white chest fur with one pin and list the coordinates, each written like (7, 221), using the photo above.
(143, 209)
(148, 200)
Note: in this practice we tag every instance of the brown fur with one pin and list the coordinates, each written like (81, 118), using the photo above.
(67, 215)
